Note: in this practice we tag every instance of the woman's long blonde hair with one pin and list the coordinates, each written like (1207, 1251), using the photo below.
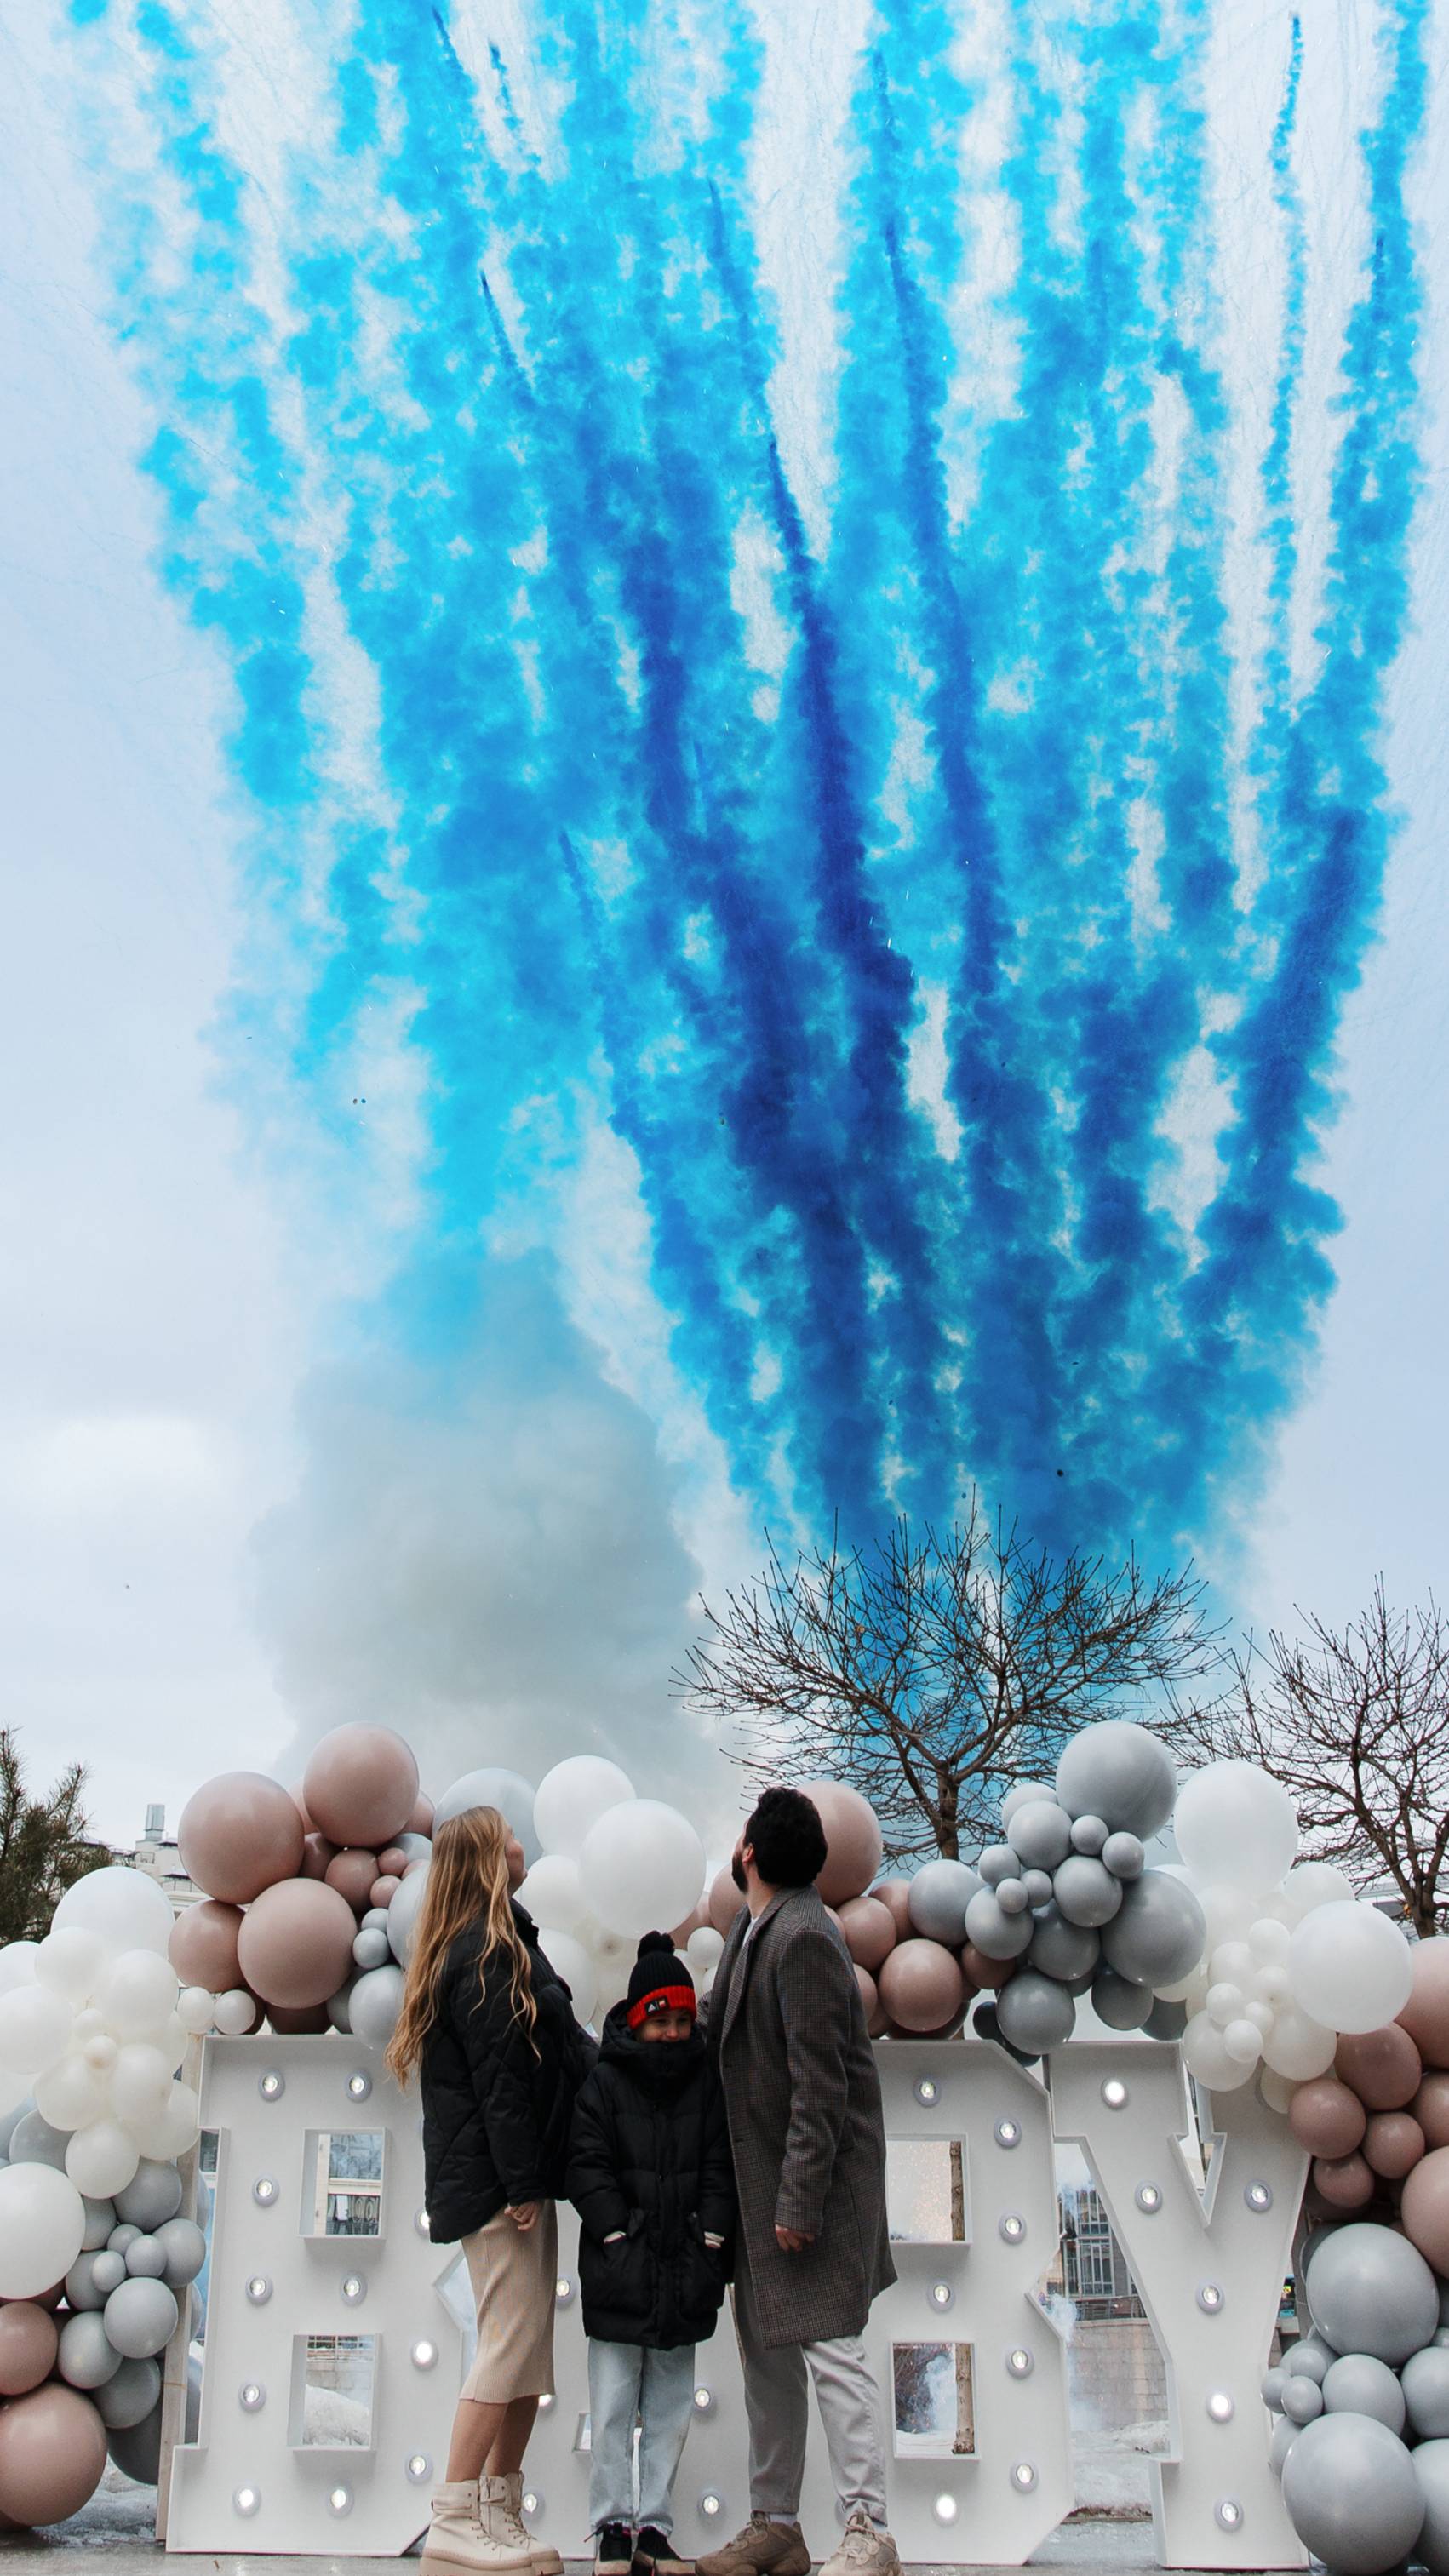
(467, 1883)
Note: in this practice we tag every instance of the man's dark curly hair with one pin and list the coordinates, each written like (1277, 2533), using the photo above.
(788, 1838)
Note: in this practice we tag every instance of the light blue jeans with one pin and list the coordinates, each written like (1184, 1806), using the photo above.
(628, 2381)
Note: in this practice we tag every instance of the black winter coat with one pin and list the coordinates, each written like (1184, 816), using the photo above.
(651, 2154)
(497, 2100)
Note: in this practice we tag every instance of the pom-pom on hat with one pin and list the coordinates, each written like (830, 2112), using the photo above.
(659, 1982)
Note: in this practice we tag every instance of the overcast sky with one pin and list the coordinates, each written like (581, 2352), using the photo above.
(163, 1317)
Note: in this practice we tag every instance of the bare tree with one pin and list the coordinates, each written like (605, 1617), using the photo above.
(1356, 1726)
(933, 1671)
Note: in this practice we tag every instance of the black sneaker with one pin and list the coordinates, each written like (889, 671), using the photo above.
(613, 2550)
(656, 2555)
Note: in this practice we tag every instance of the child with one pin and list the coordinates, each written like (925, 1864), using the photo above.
(650, 2176)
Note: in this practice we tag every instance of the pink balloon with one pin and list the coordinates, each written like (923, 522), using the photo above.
(695, 1922)
(869, 1929)
(361, 1786)
(852, 1839)
(724, 1899)
(921, 1985)
(1326, 2118)
(238, 1834)
(1424, 2210)
(296, 1943)
(420, 1817)
(392, 1862)
(1430, 2107)
(1382, 2066)
(1393, 2144)
(982, 1972)
(29, 2339)
(1344, 2181)
(300, 1803)
(895, 1895)
(352, 1874)
(202, 1948)
(52, 2454)
(308, 2021)
(384, 1889)
(1426, 2014)
(317, 1856)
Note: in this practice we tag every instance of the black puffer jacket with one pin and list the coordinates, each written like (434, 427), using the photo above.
(651, 2154)
(497, 2100)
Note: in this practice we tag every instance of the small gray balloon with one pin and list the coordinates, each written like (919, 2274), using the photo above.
(1359, 2385)
(339, 2007)
(1123, 1855)
(1063, 1949)
(1308, 2360)
(376, 2003)
(87, 2357)
(997, 1935)
(1441, 2337)
(1302, 2399)
(937, 1900)
(1370, 2290)
(997, 1862)
(1158, 1931)
(1038, 1885)
(108, 2271)
(371, 1949)
(146, 2259)
(1024, 1794)
(122, 2236)
(1034, 2013)
(136, 2448)
(100, 2219)
(1425, 2382)
(1165, 2021)
(141, 2318)
(34, 2142)
(412, 1847)
(1040, 1833)
(374, 1920)
(1121, 1773)
(1118, 2003)
(1271, 2388)
(80, 2285)
(1351, 2493)
(151, 2197)
(128, 2396)
(183, 2250)
(1431, 2476)
(1281, 2441)
(1012, 1897)
(508, 1791)
(1089, 1835)
(1086, 1892)
(402, 1915)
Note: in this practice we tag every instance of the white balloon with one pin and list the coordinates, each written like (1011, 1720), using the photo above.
(1299, 2046)
(173, 2039)
(704, 1949)
(175, 2128)
(1224, 2003)
(140, 2082)
(1277, 2090)
(17, 1968)
(102, 2159)
(1206, 2056)
(194, 2008)
(642, 1865)
(72, 1962)
(1268, 1940)
(1315, 1882)
(553, 1892)
(42, 2222)
(571, 1799)
(572, 1962)
(71, 2094)
(139, 1995)
(1236, 1824)
(1349, 1967)
(128, 1910)
(234, 2012)
(35, 2028)
(1243, 2041)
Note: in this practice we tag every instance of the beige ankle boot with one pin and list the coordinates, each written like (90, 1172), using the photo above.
(500, 2509)
(457, 2538)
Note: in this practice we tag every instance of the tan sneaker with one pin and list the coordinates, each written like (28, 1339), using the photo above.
(863, 2551)
(500, 2510)
(763, 2548)
(456, 2537)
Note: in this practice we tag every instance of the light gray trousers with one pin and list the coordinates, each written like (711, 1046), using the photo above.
(629, 2385)
(777, 2404)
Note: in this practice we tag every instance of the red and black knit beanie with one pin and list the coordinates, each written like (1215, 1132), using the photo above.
(659, 1982)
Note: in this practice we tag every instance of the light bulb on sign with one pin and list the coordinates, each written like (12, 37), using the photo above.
(1259, 2196)
(926, 2090)
(340, 2500)
(354, 2290)
(945, 2508)
(1007, 2133)
(563, 2290)
(419, 2468)
(704, 2401)
(1114, 2093)
(1011, 2229)
(942, 2294)
(264, 2191)
(271, 2087)
(259, 2289)
(420, 2222)
(1228, 2514)
(1148, 2198)
(1209, 2297)
(424, 2354)
(246, 2499)
(711, 2505)
(531, 2500)
(1019, 2362)
(545, 2401)
(1220, 2406)
(251, 2397)
(1023, 2476)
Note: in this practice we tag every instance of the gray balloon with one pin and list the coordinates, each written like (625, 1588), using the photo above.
(1270, 2388)
(34, 2142)
(1359, 2385)
(375, 1919)
(122, 2236)
(1024, 1795)
(100, 2219)
(339, 2007)
(1302, 2399)
(1370, 2290)
(1165, 2021)
(997, 1862)
(1352, 2495)
(1089, 1835)
(1281, 2441)
(1034, 2013)
(87, 2356)
(1315, 2237)
(1086, 1892)
(10, 2122)
(151, 2197)
(1121, 1773)
(1425, 2382)
(1123, 1855)
(183, 2249)
(371, 1949)
(146, 2259)
(141, 2318)
(937, 1900)
(1038, 1885)
(493, 1786)
(80, 2285)
(1308, 2360)
(1431, 2475)
(412, 1847)
(1441, 2337)
(1118, 2003)
(129, 2395)
(1040, 1833)
(136, 2448)
(1063, 1949)
(997, 1935)
(376, 2003)
(108, 2271)
(402, 1915)
(1158, 1931)
(1012, 1897)
(1444, 2302)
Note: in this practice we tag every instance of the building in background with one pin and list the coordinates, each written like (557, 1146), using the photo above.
(157, 1856)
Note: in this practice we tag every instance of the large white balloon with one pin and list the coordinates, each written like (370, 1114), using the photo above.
(1235, 1825)
(42, 2222)
(102, 2159)
(72, 1962)
(17, 1966)
(1349, 1967)
(176, 2126)
(571, 1799)
(127, 1909)
(35, 2028)
(571, 1961)
(508, 1791)
(1315, 1882)
(140, 2082)
(70, 2094)
(642, 1866)
(553, 1892)
(139, 1995)
(1299, 2046)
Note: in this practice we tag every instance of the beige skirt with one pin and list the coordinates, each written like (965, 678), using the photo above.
(515, 2283)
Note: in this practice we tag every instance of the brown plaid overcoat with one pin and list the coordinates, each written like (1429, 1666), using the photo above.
(803, 2097)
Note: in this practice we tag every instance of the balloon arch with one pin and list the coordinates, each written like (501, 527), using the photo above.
(1308, 2024)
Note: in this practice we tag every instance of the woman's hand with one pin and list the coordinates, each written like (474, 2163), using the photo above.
(524, 2214)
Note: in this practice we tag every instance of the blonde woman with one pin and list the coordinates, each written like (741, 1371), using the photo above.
(490, 2030)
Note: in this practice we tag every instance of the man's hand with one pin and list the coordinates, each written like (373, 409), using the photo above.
(792, 2240)
(524, 2214)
